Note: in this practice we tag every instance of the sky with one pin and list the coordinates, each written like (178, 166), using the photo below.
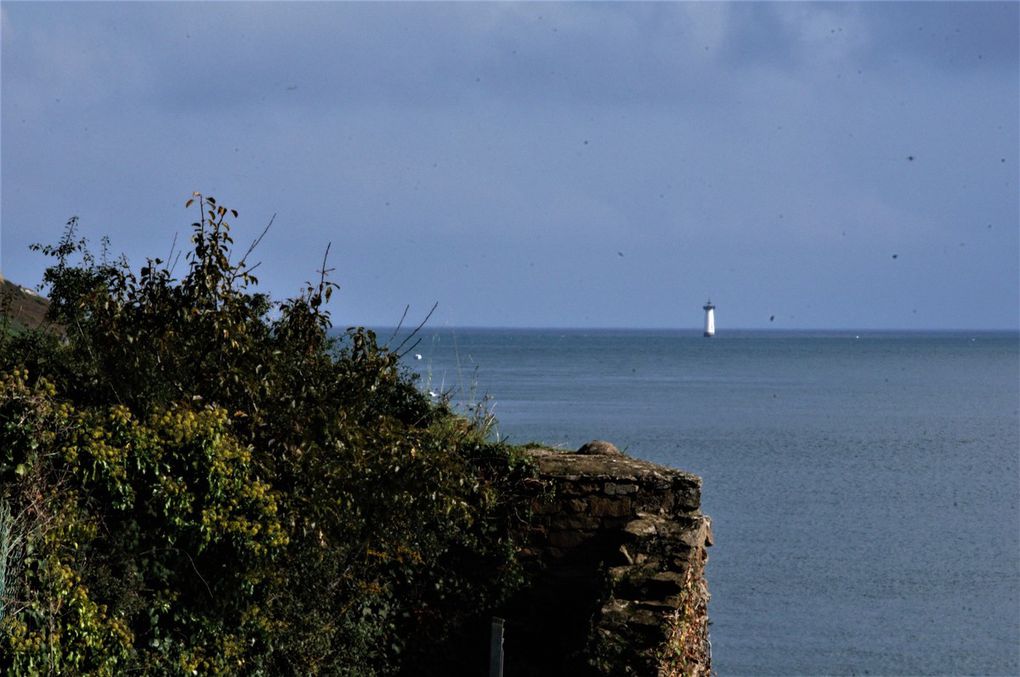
(830, 165)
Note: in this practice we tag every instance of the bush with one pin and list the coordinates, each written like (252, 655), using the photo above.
(205, 480)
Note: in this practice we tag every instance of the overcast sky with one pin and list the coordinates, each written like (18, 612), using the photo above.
(535, 164)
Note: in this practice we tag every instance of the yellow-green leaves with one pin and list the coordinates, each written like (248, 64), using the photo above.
(232, 487)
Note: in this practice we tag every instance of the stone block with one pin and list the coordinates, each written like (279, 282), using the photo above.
(614, 489)
(666, 583)
(686, 496)
(643, 527)
(574, 522)
(601, 506)
(617, 574)
(599, 448)
(698, 534)
(546, 507)
(576, 505)
(578, 488)
(654, 605)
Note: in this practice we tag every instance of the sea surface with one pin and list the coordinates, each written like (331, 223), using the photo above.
(863, 486)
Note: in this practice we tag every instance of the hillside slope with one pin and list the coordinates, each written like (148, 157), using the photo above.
(23, 306)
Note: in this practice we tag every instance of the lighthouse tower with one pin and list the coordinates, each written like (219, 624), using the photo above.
(709, 319)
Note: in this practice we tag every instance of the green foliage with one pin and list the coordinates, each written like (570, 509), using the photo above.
(208, 481)
(684, 650)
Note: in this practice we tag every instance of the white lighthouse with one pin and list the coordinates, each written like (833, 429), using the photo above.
(709, 319)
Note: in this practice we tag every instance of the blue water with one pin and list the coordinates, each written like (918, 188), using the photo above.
(864, 487)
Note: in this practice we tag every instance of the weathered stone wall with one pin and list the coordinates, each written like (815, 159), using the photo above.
(616, 553)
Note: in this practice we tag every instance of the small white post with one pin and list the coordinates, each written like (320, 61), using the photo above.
(496, 648)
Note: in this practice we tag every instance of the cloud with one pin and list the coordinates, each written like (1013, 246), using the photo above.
(553, 132)
(222, 55)
(225, 56)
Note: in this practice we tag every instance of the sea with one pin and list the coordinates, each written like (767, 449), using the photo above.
(863, 486)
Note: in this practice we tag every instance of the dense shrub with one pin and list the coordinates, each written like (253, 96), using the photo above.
(194, 478)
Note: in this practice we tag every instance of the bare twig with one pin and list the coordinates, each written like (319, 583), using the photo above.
(199, 574)
(399, 324)
(173, 245)
(415, 332)
(324, 271)
(251, 248)
(411, 347)
(174, 264)
(250, 268)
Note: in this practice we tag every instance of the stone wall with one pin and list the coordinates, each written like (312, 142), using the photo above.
(616, 554)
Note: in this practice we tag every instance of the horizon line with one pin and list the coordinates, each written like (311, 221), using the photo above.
(1015, 330)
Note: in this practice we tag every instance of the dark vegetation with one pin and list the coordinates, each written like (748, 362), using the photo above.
(195, 479)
